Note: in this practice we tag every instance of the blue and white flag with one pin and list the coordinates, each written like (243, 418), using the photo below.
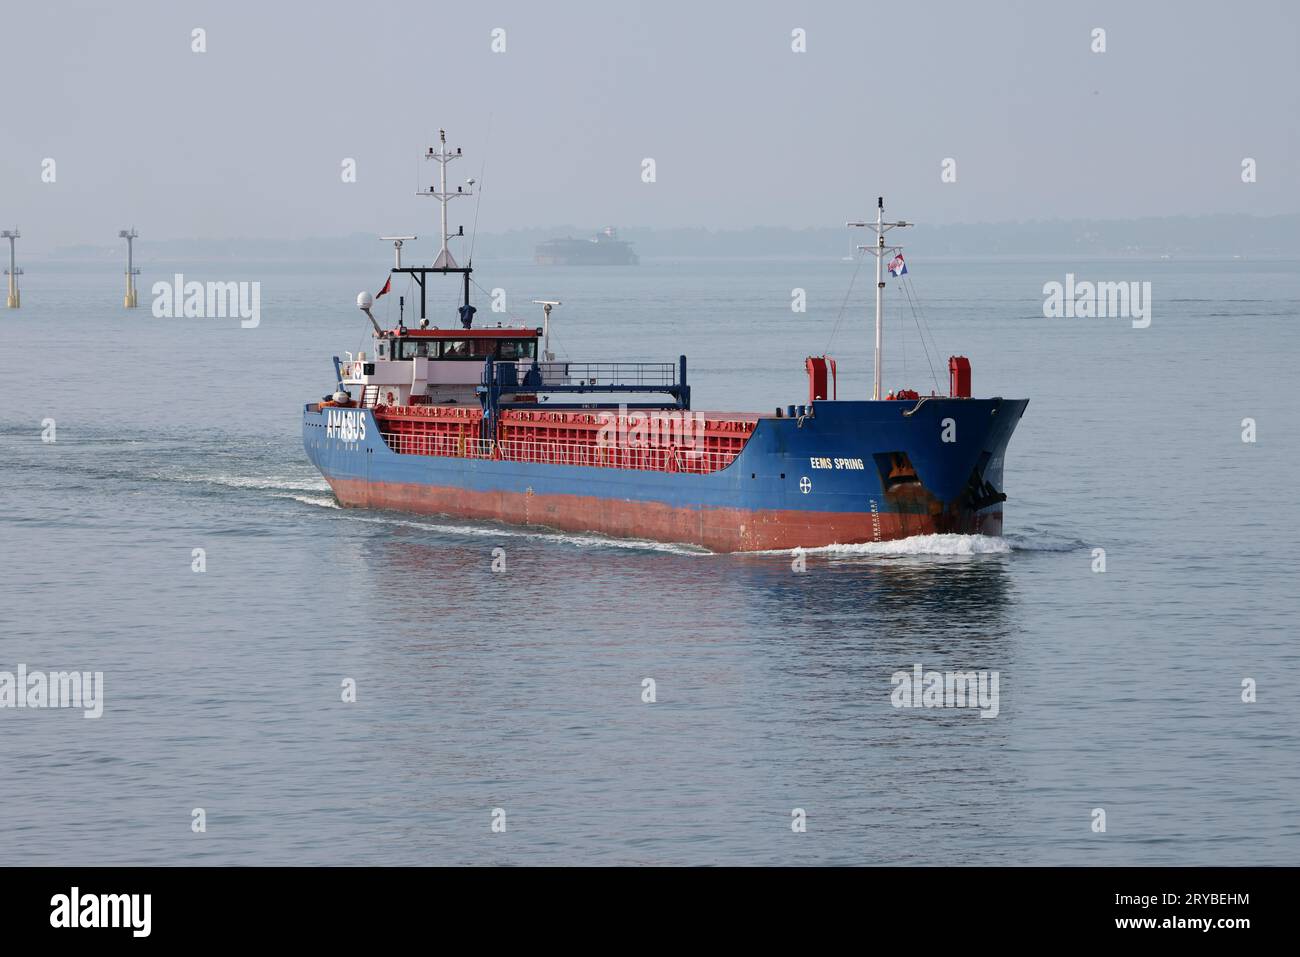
(897, 267)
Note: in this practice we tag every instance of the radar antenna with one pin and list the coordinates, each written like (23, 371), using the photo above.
(397, 247)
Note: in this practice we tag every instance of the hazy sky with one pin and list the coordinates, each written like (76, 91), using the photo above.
(247, 139)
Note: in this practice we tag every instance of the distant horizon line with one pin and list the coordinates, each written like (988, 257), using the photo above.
(593, 230)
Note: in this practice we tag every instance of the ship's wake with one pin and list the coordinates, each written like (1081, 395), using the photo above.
(491, 530)
(947, 545)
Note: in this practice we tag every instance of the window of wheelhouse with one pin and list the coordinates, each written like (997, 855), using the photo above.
(415, 349)
(515, 349)
(509, 350)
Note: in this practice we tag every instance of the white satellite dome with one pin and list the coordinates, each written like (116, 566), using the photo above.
(364, 300)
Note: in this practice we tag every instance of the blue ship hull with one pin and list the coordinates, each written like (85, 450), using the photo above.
(848, 472)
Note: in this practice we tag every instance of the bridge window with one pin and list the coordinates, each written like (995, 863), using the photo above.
(510, 350)
(518, 349)
(416, 349)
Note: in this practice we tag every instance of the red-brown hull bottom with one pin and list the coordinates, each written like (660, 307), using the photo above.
(717, 529)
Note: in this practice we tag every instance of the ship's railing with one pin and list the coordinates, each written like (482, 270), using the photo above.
(455, 446)
(645, 457)
(650, 458)
(648, 375)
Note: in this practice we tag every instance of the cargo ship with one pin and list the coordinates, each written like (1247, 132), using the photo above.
(485, 423)
(605, 249)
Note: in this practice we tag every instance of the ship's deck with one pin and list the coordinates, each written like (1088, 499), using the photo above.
(726, 416)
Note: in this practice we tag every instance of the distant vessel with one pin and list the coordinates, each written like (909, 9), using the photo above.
(485, 423)
(606, 249)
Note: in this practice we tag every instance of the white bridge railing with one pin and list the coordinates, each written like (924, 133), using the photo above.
(649, 458)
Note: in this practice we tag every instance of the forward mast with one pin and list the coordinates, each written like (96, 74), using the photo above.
(880, 250)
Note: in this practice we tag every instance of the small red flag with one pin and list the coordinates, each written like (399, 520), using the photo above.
(387, 288)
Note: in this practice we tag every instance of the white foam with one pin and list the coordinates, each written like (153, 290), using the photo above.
(320, 501)
(262, 483)
(938, 545)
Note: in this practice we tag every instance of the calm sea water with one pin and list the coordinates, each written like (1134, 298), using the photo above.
(522, 690)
